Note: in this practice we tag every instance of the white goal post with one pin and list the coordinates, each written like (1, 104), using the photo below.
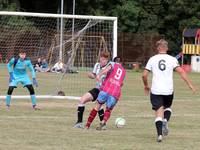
(40, 34)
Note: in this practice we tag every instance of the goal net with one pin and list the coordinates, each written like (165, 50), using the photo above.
(74, 40)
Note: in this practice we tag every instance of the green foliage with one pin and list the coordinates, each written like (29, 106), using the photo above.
(6, 5)
(13, 24)
(125, 11)
(177, 15)
(166, 17)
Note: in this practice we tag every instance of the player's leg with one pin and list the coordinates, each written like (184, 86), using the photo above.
(110, 103)
(159, 123)
(26, 82)
(11, 87)
(90, 96)
(101, 113)
(165, 128)
(157, 106)
(9, 93)
(81, 108)
(32, 94)
(168, 100)
(167, 113)
(101, 100)
(92, 115)
(95, 92)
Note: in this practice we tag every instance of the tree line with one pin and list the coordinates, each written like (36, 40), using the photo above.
(165, 17)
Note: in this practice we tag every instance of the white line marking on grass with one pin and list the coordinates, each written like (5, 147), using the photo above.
(48, 97)
(64, 117)
(33, 117)
(147, 97)
(151, 115)
(175, 100)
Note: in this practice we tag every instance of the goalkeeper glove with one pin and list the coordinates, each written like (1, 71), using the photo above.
(35, 82)
(11, 77)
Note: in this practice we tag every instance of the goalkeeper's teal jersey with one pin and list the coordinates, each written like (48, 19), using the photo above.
(20, 68)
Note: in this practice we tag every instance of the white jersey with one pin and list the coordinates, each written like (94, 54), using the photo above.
(96, 70)
(162, 67)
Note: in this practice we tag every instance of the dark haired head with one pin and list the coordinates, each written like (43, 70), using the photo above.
(22, 51)
(117, 59)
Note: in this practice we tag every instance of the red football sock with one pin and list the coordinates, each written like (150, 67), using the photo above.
(107, 115)
(91, 117)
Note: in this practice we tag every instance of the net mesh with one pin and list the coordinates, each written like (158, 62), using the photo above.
(40, 37)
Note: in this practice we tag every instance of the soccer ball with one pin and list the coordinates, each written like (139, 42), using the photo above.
(120, 122)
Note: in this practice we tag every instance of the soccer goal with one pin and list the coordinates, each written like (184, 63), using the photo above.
(75, 40)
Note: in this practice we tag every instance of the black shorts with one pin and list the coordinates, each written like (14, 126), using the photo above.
(94, 92)
(161, 100)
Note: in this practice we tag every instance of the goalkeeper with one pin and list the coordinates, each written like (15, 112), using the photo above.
(17, 68)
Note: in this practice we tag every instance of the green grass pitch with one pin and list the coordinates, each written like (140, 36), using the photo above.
(22, 128)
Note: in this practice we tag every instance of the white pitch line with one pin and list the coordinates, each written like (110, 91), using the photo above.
(33, 117)
(47, 97)
(63, 117)
(174, 100)
(147, 97)
(42, 97)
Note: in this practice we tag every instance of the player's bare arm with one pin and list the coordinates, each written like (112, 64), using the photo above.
(145, 81)
(103, 72)
(185, 78)
(91, 75)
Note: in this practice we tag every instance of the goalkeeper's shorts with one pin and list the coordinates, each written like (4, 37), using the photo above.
(23, 80)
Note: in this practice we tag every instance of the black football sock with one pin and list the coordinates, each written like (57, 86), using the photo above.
(80, 112)
(158, 124)
(167, 113)
(101, 114)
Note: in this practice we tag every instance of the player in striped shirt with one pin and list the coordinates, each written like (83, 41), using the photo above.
(110, 92)
(162, 66)
(93, 93)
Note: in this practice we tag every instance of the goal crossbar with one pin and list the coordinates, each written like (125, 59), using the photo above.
(9, 13)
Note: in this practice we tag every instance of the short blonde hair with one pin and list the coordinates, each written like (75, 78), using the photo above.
(162, 42)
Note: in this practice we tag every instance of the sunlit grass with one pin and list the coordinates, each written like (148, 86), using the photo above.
(22, 128)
